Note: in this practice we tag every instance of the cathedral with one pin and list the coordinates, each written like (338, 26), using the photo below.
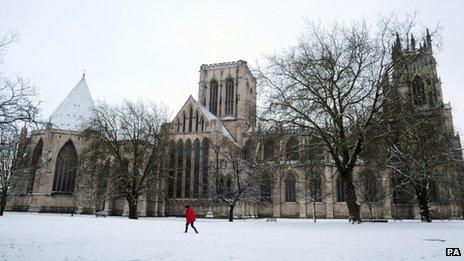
(225, 108)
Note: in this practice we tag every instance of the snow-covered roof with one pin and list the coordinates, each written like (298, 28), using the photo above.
(75, 111)
(203, 109)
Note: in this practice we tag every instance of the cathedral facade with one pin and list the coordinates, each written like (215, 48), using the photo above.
(225, 108)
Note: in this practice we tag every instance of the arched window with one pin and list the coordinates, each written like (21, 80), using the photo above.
(213, 97)
(229, 187)
(196, 121)
(401, 193)
(190, 120)
(184, 119)
(293, 149)
(265, 188)
(102, 184)
(220, 186)
(248, 150)
(172, 168)
(433, 191)
(205, 165)
(65, 169)
(180, 168)
(188, 167)
(36, 154)
(178, 125)
(314, 185)
(202, 123)
(229, 96)
(290, 188)
(418, 90)
(341, 190)
(269, 149)
(196, 168)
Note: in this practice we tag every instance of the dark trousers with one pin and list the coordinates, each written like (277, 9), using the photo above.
(191, 224)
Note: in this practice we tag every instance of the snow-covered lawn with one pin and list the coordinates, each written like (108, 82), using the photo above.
(27, 236)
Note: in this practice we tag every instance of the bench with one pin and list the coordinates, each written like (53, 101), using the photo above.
(100, 214)
(374, 220)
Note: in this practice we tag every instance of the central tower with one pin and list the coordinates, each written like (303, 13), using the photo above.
(228, 90)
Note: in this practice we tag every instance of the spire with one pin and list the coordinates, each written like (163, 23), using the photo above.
(75, 110)
(413, 43)
(428, 40)
(396, 49)
(83, 74)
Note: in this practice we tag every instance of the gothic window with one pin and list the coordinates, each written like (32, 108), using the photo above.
(433, 191)
(229, 187)
(188, 167)
(229, 96)
(33, 169)
(178, 126)
(265, 188)
(313, 152)
(341, 190)
(184, 119)
(180, 168)
(65, 169)
(190, 129)
(248, 151)
(213, 97)
(290, 189)
(400, 191)
(205, 164)
(293, 149)
(314, 185)
(196, 121)
(418, 90)
(202, 124)
(172, 168)
(196, 168)
(269, 149)
(102, 184)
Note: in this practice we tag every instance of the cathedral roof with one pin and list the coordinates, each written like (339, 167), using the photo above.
(209, 117)
(75, 110)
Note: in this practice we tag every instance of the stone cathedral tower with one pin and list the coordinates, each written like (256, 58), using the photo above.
(420, 81)
(228, 90)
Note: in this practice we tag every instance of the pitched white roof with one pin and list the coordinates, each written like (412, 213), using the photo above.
(75, 111)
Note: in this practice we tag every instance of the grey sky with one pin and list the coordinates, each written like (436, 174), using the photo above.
(153, 49)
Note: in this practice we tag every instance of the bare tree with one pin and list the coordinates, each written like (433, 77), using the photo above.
(331, 86)
(370, 189)
(13, 167)
(135, 139)
(17, 105)
(242, 171)
(421, 153)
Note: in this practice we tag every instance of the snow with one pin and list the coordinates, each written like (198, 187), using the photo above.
(75, 110)
(31, 236)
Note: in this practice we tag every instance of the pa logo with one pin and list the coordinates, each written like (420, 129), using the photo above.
(453, 251)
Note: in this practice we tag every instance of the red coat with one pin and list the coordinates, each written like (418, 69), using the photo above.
(190, 215)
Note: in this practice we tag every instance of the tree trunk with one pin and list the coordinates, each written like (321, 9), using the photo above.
(231, 212)
(421, 195)
(132, 208)
(2, 205)
(2, 202)
(314, 211)
(351, 199)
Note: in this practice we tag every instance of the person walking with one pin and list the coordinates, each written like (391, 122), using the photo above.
(190, 217)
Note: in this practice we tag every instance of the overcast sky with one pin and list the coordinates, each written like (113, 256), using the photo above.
(153, 49)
